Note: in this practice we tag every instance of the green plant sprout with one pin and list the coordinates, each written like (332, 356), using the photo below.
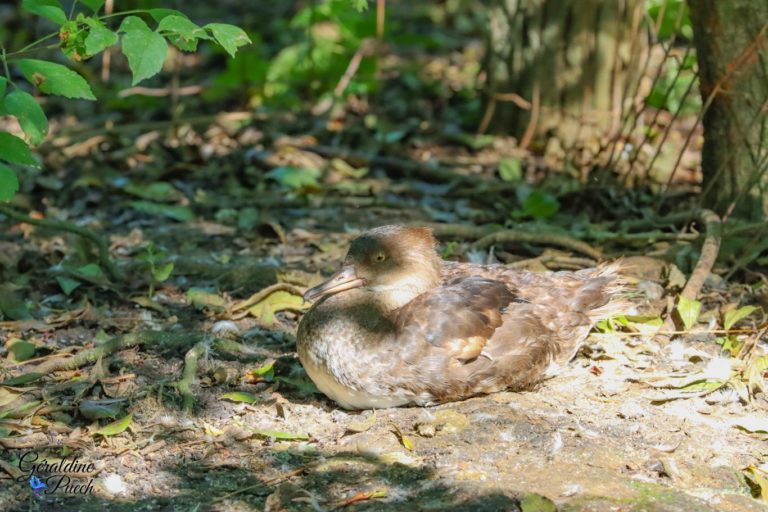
(159, 269)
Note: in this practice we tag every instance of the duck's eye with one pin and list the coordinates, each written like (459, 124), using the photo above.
(380, 257)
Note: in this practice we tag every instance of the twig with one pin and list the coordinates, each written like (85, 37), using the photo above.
(530, 130)
(709, 251)
(191, 360)
(508, 235)
(459, 230)
(189, 90)
(654, 221)
(101, 244)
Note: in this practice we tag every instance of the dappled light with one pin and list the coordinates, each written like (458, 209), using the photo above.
(383, 255)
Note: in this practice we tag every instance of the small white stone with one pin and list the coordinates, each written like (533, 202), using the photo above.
(114, 484)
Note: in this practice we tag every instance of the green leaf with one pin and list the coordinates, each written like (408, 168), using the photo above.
(163, 272)
(3, 87)
(52, 78)
(90, 270)
(11, 305)
(50, 9)
(93, 5)
(201, 298)
(689, 311)
(131, 23)
(22, 379)
(541, 204)
(145, 51)
(510, 169)
(537, 503)
(116, 427)
(283, 436)
(240, 396)
(15, 150)
(160, 13)
(31, 117)
(22, 350)
(182, 32)
(67, 284)
(229, 37)
(99, 37)
(180, 213)
(265, 372)
(295, 177)
(9, 183)
(734, 315)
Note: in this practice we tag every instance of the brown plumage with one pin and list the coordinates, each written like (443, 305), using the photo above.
(398, 325)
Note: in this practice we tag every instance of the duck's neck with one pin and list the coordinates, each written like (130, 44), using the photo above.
(401, 291)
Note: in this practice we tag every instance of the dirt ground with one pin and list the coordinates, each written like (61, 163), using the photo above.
(607, 434)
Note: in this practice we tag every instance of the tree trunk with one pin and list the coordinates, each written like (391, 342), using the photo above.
(575, 61)
(731, 40)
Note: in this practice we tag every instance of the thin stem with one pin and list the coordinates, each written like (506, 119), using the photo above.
(4, 58)
(124, 13)
(33, 44)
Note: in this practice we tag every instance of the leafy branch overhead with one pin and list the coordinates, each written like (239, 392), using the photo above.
(81, 36)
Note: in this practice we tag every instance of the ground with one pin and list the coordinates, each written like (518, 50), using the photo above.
(608, 433)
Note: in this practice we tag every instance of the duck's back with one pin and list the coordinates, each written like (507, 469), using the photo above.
(488, 328)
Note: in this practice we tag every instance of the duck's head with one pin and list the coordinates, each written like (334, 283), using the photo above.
(395, 263)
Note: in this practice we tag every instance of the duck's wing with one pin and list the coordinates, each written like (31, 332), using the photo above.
(471, 336)
(458, 317)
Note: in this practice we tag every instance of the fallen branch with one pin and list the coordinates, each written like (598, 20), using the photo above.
(709, 251)
(101, 244)
(111, 346)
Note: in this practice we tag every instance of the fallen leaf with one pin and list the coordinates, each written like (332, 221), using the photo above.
(689, 311)
(404, 440)
(280, 300)
(361, 426)
(116, 427)
(734, 315)
(240, 396)
(282, 436)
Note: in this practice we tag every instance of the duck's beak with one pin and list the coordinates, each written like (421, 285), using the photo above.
(344, 279)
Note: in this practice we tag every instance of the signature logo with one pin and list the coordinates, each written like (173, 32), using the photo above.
(37, 485)
(66, 475)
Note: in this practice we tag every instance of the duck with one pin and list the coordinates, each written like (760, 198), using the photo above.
(399, 326)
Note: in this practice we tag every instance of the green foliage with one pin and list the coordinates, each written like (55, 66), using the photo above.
(154, 261)
(536, 203)
(510, 169)
(82, 35)
(689, 311)
(319, 42)
(676, 89)
(675, 21)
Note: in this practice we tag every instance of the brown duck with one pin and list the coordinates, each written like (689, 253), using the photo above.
(397, 325)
